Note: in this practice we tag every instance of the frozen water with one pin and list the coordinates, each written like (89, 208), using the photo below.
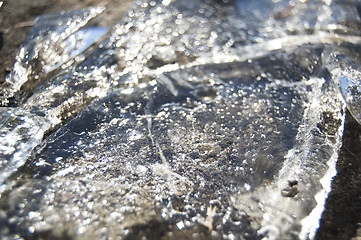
(196, 119)
(205, 147)
(21, 132)
(344, 65)
(48, 45)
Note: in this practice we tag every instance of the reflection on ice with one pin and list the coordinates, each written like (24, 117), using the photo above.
(188, 119)
(75, 44)
(344, 64)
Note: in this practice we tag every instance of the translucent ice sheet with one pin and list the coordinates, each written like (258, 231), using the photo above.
(232, 149)
(188, 119)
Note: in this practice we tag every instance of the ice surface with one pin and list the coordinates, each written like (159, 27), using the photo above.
(21, 131)
(344, 65)
(48, 45)
(206, 146)
(188, 119)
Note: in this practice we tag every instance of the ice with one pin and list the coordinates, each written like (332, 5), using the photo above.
(47, 46)
(223, 140)
(20, 133)
(186, 119)
(133, 48)
(343, 63)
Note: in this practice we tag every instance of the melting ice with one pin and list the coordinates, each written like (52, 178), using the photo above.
(188, 119)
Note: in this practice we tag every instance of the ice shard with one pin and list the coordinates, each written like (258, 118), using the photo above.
(235, 149)
(344, 65)
(53, 41)
(49, 45)
(20, 133)
(206, 119)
